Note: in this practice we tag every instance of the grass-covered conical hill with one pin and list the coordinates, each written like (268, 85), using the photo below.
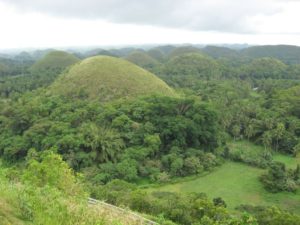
(54, 61)
(107, 78)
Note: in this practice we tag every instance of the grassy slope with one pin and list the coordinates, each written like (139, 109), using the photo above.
(8, 214)
(238, 184)
(107, 78)
(53, 60)
(12, 207)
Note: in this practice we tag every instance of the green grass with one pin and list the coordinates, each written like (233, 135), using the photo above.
(246, 146)
(237, 184)
(107, 78)
(290, 162)
(8, 214)
(252, 150)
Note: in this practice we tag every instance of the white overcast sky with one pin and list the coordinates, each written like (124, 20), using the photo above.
(66, 23)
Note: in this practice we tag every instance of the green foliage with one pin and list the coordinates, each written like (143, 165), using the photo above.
(49, 194)
(19, 65)
(255, 155)
(52, 171)
(14, 86)
(54, 62)
(142, 59)
(271, 215)
(152, 137)
(220, 52)
(236, 184)
(185, 69)
(279, 178)
(232, 97)
(179, 51)
(105, 143)
(264, 68)
(286, 53)
(179, 208)
(157, 54)
(269, 119)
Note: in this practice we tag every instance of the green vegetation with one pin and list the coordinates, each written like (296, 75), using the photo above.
(286, 53)
(157, 54)
(48, 192)
(278, 178)
(264, 68)
(179, 51)
(290, 162)
(146, 137)
(220, 145)
(14, 66)
(55, 62)
(247, 152)
(177, 207)
(107, 78)
(186, 68)
(237, 184)
(220, 52)
(142, 59)
(40, 74)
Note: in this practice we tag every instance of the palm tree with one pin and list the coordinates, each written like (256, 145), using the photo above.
(105, 143)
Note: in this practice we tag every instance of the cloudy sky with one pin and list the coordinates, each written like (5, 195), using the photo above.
(64, 23)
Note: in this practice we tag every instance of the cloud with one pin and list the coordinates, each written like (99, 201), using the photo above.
(234, 16)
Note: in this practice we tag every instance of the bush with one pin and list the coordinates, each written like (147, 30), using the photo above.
(278, 178)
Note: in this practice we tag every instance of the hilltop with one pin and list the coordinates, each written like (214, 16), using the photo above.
(179, 51)
(107, 78)
(55, 60)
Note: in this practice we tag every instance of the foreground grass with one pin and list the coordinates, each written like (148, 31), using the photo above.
(59, 200)
(237, 184)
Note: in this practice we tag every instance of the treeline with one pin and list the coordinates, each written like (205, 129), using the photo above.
(154, 137)
(189, 69)
(13, 67)
(15, 86)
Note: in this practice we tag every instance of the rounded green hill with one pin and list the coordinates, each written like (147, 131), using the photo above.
(107, 78)
(179, 51)
(141, 59)
(193, 64)
(54, 61)
(157, 54)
